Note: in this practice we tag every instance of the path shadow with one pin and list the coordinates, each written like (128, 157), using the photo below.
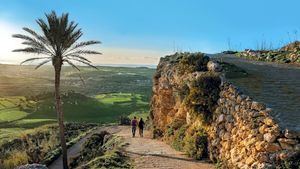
(169, 157)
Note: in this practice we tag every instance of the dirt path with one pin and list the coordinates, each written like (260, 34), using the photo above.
(145, 152)
(75, 149)
(151, 154)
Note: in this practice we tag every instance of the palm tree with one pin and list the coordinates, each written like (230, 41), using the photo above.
(58, 44)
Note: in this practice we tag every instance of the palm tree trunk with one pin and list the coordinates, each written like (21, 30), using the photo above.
(60, 117)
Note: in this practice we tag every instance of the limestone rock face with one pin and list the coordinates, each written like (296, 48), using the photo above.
(240, 132)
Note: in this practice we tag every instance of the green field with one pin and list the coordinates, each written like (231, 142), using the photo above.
(27, 100)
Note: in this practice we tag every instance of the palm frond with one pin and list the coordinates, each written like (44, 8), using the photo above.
(58, 40)
(75, 67)
(32, 50)
(83, 62)
(42, 63)
(34, 34)
(24, 37)
(34, 43)
(78, 57)
(72, 64)
(33, 59)
(85, 52)
(86, 43)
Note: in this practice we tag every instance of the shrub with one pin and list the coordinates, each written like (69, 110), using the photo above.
(101, 150)
(195, 145)
(203, 95)
(91, 148)
(174, 125)
(177, 142)
(124, 120)
(157, 133)
(291, 163)
(191, 62)
(39, 145)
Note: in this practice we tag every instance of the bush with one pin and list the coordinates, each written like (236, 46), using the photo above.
(195, 145)
(39, 145)
(101, 150)
(175, 125)
(191, 62)
(203, 95)
(291, 163)
(124, 120)
(157, 133)
(177, 142)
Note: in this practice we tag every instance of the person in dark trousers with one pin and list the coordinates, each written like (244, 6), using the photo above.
(141, 127)
(134, 123)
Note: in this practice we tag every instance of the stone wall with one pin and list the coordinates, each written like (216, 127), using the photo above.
(244, 135)
(240, 132)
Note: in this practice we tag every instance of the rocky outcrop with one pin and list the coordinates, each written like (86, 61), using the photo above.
(189, 94)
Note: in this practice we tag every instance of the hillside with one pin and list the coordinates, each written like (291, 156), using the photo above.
(27, 104)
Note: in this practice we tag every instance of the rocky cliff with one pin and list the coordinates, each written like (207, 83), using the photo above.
(195, 110)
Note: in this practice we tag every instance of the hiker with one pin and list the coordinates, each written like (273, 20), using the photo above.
(141, 127)
(133, 125)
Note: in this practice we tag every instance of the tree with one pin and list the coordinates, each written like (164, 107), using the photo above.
(58, 44)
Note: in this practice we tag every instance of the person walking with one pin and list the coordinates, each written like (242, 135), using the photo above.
(133, 126)
(141, 127)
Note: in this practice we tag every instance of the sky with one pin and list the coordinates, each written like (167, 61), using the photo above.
(142, 31)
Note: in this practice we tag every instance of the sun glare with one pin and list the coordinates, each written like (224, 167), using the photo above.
(8, 43)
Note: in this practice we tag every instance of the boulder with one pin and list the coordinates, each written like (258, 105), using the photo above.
(214, 66)
(260, 146)
(286, 146)
(291, 134)
(265, 166)
(297, 147)
(258, 106)
(272, 147)
(250, 160)
(262, 157)
(287, 141)
(268, 137)
(221, 118)
(269, 121)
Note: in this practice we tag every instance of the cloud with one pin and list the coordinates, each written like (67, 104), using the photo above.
(115, 55)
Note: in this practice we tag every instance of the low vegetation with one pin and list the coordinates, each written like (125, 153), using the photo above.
(27, 105)
(39, 145)
(102, 150)
(203, 95)
(287, 54)
(195, 144)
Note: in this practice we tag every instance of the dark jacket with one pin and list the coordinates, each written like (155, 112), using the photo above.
(141, 124)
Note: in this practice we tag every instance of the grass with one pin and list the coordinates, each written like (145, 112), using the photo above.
(12, 115)
(26, 101)
(40, 144)
(102, 108)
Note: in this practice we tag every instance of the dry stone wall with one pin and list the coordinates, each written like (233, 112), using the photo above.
(241, 133)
